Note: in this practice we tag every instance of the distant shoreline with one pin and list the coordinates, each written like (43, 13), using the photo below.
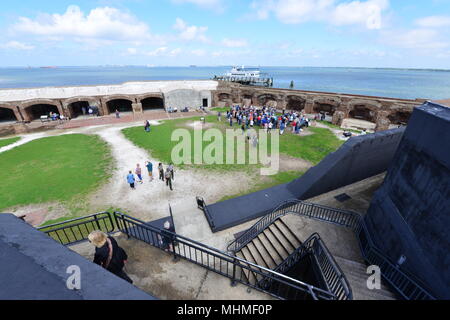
(199, 66)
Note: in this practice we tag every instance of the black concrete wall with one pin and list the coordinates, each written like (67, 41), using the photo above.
(410, 214)
(359, 158)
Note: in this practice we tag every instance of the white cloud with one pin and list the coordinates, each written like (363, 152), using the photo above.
(158, 52)
(434, 22)
(190, 33)
(234, 43)
(199, 52)
(422, 39)
(367, 13)
(16, 45)
(132, 51)
(100, 23)
(216, 5)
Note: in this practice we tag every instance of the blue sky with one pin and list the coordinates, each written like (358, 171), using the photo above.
(364, 33)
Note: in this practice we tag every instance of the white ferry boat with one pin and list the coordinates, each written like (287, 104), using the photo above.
(248, 76)
(244, 72)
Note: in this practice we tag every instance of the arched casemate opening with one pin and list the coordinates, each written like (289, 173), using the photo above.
(400, 118)
(362, 112)
(295, 103)
(268, 100)
(152, 103)
(122, 105)
(78, 108)
(36, 111)
(7, 115)
(326, 108)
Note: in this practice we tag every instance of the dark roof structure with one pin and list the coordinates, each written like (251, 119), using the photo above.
(34, 267)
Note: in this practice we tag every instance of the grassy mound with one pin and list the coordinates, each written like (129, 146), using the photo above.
(53, 169)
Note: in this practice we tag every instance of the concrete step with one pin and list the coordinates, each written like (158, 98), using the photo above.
(260, 260)
(276, 244)
(250, 276)
(281, 239)
(290, 236)
(270, 262)
(356, 274)
(270, 249)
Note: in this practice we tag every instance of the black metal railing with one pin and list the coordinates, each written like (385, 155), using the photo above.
(335, 279)
(406, 285)
(237, 270)
(330, 272)
(310, 210)
(77, 230)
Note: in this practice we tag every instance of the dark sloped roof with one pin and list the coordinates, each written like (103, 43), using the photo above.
(33, 267)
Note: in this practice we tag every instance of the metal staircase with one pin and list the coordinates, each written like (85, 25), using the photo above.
(271, 247)
(405, 285)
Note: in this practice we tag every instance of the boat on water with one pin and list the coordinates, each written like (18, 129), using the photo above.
(248, 76)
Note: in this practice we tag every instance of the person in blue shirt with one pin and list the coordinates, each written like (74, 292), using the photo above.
(149, 166)
(131, 180)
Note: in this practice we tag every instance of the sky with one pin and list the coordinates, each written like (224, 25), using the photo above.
(319, 33)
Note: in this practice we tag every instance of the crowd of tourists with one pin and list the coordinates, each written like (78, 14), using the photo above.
(166, 175)
(266, 118)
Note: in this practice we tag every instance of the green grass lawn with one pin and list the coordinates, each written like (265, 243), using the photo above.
(62, 168)
(5, 142)
(312, 148)
(223, 110)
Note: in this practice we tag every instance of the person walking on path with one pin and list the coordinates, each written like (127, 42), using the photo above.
(219, 116)
(131, 180)
(108, 254)
(138, 172)
(147, 126)
(169, 179)
(171, 169)
(149, 166)
(161, 171)
(117, 114)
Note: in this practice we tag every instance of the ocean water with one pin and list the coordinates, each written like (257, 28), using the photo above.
(395, 83)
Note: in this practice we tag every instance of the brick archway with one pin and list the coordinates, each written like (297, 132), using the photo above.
(297, 103)
(35, 111)
(400, 117)
(122, 105)
(152, 103)
(327, 106)
(7, 114)
(267, 99)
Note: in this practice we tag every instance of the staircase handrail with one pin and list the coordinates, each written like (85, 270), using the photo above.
(345, 218)
(341, 217)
